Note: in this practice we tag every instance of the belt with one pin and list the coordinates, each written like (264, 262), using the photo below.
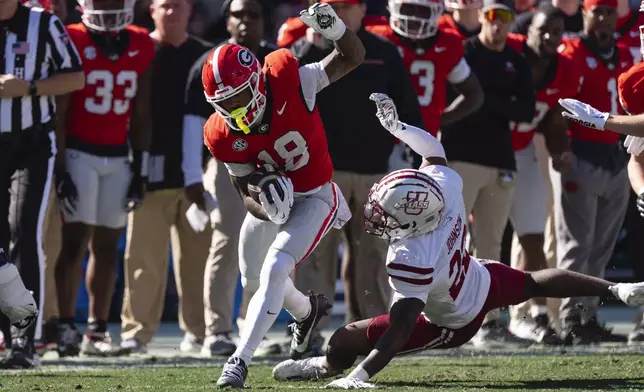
(33, 134)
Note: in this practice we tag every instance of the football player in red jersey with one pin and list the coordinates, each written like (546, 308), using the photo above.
(100, 184)
(630, 86)
(628, 33)
(554, 77)
(590, 199)
(441, 293)
(463, 18)
(268, 116)
(433, 58)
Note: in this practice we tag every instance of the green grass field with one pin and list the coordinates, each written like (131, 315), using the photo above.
(608, 372)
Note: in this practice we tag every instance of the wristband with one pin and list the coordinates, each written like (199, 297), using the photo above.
(640, 190)
(33, 89)
(359, 373)
(140, 160)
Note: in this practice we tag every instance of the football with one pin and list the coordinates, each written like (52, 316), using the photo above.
(261, 178)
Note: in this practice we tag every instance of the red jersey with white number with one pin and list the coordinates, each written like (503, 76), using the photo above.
(564, 84)
(430, 69)
(630, 38)
(290, 137)
(436, 267)
(598, 86)
(99, 113)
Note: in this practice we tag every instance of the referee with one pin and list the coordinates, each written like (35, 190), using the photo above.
(37, 62)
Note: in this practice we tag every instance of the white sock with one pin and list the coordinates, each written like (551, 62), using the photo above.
(266, 303)
(296, 303)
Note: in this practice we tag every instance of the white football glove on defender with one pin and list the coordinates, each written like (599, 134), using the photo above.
(279, 210)
(387, 113)
(634, 145)
(323, 19)
(632, 294)
(350, 383)
(583, 114)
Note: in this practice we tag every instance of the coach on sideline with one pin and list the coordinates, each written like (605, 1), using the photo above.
(40, 62)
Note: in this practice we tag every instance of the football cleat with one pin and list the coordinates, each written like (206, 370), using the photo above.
(233, 374)
(303, 330)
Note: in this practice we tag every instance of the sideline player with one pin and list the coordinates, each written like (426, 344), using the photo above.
(422, 215)
(268, 116)
(99, 120)
(553, 77)
(433, 57)
(590, 199)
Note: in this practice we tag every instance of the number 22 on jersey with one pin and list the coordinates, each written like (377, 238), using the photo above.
(291, 148)
(105, 100)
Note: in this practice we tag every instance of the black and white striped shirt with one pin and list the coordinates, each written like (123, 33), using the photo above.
(34, 45)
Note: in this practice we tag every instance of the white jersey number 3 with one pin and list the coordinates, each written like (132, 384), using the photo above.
(105, 82)
(425, 71)
(292, 148)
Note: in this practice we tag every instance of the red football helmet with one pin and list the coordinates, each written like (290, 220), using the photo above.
(107, 15)
(233, 83)
(415, 19)
(463, 4)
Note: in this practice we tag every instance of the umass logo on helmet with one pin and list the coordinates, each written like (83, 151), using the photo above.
(414, 203)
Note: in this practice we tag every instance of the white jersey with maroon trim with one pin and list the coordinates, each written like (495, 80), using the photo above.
(436, 267)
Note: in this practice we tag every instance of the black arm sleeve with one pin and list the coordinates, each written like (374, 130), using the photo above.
(520, 104)
(402, 91)
(196, 103)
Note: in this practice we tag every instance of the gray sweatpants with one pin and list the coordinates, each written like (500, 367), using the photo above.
(589, 209)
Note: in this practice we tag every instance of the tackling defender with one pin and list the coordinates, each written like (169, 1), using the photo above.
(422, 215)
(268, 116)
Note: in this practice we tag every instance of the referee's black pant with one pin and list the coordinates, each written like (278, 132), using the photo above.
(26, 166)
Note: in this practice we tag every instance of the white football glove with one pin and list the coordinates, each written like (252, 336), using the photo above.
(632, 294)
(583, 114)
(279, 210)
(350, 383)
(387, 113)
(323, 19)
(634, 145)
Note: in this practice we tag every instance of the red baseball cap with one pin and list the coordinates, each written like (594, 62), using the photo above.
(590, 4)
(630, 86)
(354, 2)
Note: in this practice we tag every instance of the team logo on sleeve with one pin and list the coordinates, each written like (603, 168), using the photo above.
(414, 203)
(245, 58)
(240, 145)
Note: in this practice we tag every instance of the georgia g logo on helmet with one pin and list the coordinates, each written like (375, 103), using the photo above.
(246, 58)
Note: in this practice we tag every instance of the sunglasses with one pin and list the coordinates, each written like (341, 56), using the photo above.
(502, 15)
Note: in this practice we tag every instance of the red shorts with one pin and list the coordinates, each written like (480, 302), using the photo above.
(507, 287)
